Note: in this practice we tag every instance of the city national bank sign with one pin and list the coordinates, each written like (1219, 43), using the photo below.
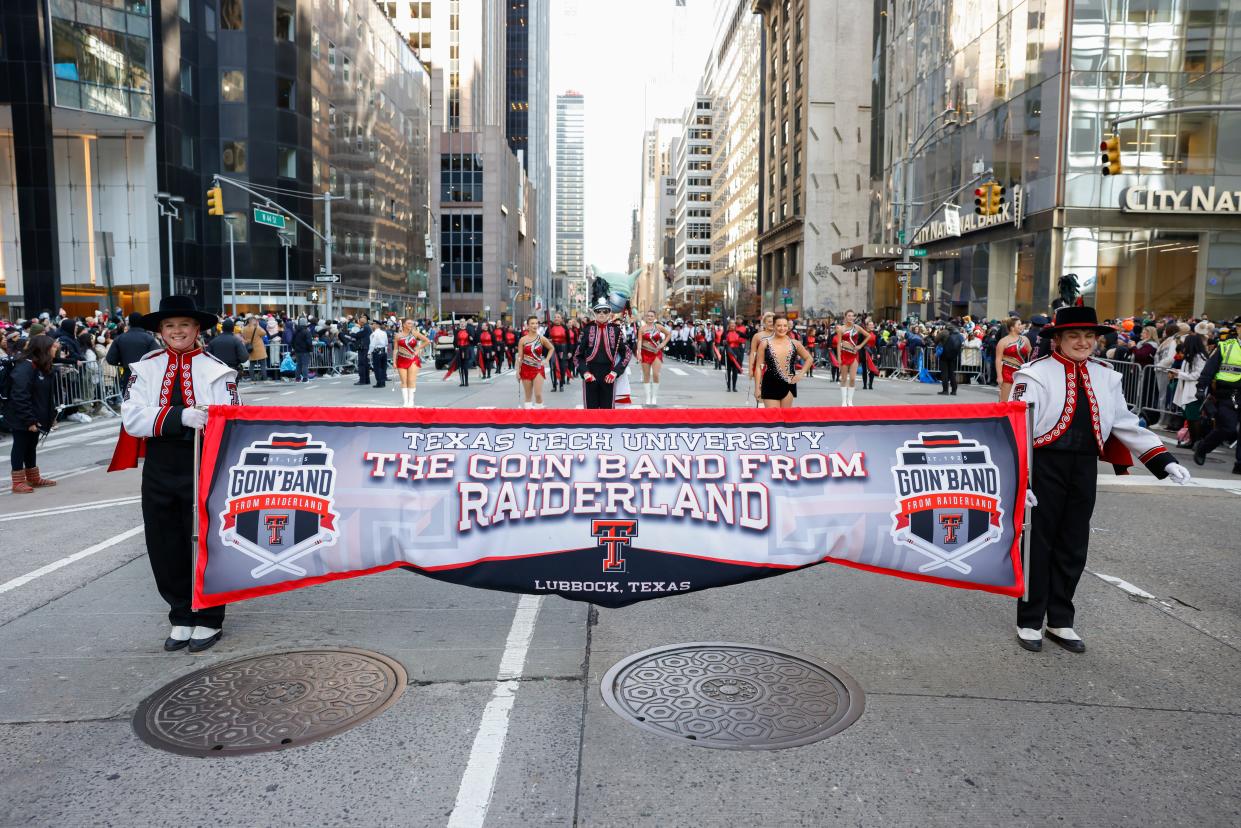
(1195, 200)
(970, 222)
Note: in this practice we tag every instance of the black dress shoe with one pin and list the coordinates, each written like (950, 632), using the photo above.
(197, 645)
(1035, 646)
(172, 645)
(1072, 645)
(942, 394)
(1199, 457)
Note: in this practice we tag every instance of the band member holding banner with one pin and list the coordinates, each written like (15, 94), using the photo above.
(163, 405)
(409, 343)
(654, 338)
(536, 352)
(1079, 416)
(734, 352)
(558, 335)
(778, 354)
(850, 339)
(601, 357)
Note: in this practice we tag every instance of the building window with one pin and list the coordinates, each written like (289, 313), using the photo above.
(344, 68)
(187, 151)
(234, 156)
(286, 162)
(188, 223)
(231, 16)
(285, 26)
(461, 177)
(233, 86)
(314, 42)
(286, 93)
(209, 21)
(461, 253)
(183, 8)
(241, 227)
(187, 78)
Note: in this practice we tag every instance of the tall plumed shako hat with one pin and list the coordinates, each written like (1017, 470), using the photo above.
(602, 304)
(1076, 318)
(172, 306)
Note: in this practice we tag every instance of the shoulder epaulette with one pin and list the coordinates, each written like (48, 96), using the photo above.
(1037, 360)
(1098, 361)
(152, 354)
(214, 358)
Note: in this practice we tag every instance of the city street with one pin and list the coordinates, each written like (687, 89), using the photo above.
(960, 725)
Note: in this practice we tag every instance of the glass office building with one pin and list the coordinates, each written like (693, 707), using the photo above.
(1033, 85)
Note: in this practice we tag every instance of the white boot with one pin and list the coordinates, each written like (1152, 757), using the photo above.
(850, 389)
(539, 405)
(844, 395)
(649, 389)
(412, 392)
(654, 393)
(526, 405)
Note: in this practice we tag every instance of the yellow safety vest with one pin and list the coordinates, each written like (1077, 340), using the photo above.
(1230, 362)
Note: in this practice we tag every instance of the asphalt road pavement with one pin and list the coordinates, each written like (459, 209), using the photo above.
(503, 722)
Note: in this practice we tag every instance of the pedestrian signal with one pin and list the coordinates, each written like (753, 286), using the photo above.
(1111, 155)
(215, 202)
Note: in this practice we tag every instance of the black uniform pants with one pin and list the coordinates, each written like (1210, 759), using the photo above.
(1064, 484)
(565, 360)
(168, 512)
(379, 362)
(948, 372)
(464, 357)
(597, 393)
(868, 377)
(732, 358)
(1226, 421)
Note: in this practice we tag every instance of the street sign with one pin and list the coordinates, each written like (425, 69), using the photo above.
(333, 278)
(785, 291)
(907, 266)
(269, 218)
(900, 236)
(788, 300)
(901, 278)
(952, 220)
(917, 251)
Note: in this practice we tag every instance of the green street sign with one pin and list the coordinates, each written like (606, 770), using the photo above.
(269, 218)
(900, 236)
(917, 251)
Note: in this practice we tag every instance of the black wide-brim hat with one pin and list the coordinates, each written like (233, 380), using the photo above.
(173, 306)
(1076, 318)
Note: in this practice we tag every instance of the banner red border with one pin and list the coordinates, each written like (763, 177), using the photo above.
(923, 415)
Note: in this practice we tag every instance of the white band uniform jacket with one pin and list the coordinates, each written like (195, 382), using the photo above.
(1052, 382)
(203, 380)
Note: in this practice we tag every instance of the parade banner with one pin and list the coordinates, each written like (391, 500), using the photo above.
(610, 507)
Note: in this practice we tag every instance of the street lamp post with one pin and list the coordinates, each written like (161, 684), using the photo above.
(167, 203)
(286, 241)
(949, 118)
(431, 258)
(232, 263)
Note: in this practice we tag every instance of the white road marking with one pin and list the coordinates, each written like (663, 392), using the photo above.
(479, 779)
(1129, 481)
(1123, 584)
(8, 586)
(80, 507)
(287, 393)
(676, 371)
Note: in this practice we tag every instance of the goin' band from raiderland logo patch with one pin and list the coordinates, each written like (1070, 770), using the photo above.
(948, 504)
(280, 503)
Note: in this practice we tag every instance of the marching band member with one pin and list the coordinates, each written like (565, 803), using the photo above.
(654, 338)
(409, 344)
(558, 335)
(734, 353)
(163, 405)
(464, 355)
(536, 352)
(601, 357)
(1079, 415)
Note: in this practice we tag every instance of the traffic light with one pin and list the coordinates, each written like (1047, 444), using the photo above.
(1111, 155)
(981, 199)
(995, 199)
(215, 202)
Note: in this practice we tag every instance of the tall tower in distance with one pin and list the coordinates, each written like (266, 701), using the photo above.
(571, 184)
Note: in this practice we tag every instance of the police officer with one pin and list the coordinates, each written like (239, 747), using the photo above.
(1079, 415)
(1221, 379)
(164, 403)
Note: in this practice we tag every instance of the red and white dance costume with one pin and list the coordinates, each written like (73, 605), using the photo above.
(532, 361)
(652, 341)
(851, 342)
(162, 386)
(1080, 416)
(1013, 357)
(601, 352)
(407, 357)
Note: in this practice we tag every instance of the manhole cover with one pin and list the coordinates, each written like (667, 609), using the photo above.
(269, 702)
(733, 696)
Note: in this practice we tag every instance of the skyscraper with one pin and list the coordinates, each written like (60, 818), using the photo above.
(571, 184)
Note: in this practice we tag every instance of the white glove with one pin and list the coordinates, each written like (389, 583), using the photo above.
(1178, 473)
(1031, 500)
(193, 418)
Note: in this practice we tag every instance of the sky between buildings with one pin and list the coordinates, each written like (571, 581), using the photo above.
(633, 60)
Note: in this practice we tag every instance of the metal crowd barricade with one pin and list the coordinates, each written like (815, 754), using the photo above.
(85, 385)
(1142, 389)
